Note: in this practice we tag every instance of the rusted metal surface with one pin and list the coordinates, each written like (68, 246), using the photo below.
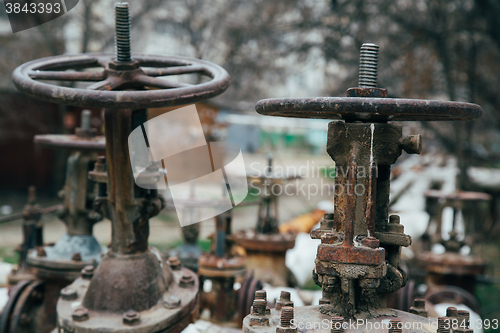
(358, 260)
(368, 109)
(103, 93)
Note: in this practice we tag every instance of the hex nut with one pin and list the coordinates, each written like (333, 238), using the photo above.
(171, 302)
(68, 294)
(186, 281)
(88, 272)
(80, 314)
(174, 263)
(131, 318)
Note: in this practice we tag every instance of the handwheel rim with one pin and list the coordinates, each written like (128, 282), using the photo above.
(118, 98)
(368, 109)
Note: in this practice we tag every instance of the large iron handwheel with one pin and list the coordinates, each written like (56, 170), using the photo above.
(368, 109)
(114, 80)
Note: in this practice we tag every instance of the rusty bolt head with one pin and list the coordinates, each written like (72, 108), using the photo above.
(131, 318)
(68, 294)
(329, 238)
(395, 219)
(40, 251)
(186, 281)
(76, 256)
(174, 263)
(87, 272)
(370, 242)
(412, 144)
(171, 302)
(451, 311)
(261, 294)
(419, 303)
(80, 314)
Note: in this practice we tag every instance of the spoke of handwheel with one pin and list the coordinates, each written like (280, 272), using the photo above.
(67, 76)
(108, 84)
(175, 70)
(160, 83)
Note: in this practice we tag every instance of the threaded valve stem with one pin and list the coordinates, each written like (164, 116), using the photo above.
(122, 32)
(368, 63)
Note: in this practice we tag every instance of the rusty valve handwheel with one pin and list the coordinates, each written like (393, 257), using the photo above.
(368, 109)
(142, 72)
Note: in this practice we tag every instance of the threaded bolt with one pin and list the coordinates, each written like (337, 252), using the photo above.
(285, 296)
(395, 326)
(85, 119)
(259, 307)
(286, 316)
(261, 294)
(337, 324)
(463, 318)
(368, 62)
(443, 322)
(122, 32)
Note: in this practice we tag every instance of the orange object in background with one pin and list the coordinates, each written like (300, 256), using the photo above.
(302, 223)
